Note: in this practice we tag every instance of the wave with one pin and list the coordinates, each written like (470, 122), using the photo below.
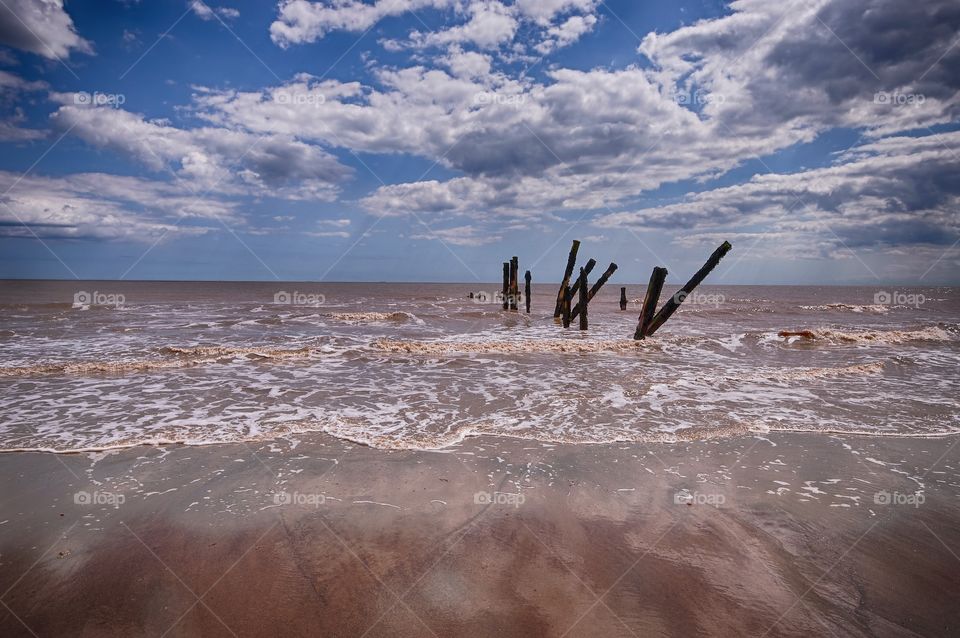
(860, 308)
(802, 374)
(178, 357)
(367, 317)
(511, 347)
(885, 337)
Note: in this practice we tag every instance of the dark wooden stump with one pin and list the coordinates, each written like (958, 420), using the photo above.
(623, 297)
(612, 268)
(584, 299)
(506, 285)
(674, 302)
(526, 290)
(650, 299)
(565, 307)
(571, 262)
(514, 284)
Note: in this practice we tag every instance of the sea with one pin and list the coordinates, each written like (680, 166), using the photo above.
(99, 365)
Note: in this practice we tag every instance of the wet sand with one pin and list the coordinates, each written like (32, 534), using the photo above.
(774, 536)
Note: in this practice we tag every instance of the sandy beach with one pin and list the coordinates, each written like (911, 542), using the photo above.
(781, 535)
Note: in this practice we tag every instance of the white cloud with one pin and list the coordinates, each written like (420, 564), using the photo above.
(491, 24)
(42, 27)
(205, 12)
(566, 33)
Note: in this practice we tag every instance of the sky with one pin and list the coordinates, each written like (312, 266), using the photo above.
(431, 140)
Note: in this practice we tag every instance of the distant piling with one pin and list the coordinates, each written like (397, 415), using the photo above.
(623, 297)
(526, 290)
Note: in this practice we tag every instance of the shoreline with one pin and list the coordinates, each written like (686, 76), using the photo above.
(493, 536)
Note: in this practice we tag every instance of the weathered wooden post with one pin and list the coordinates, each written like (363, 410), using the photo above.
(674, 302)
(571, 261)
(612, 268)
(506, 284)
(514, 285)
(565, 306)
(526, 290)
(582, 304)
(623, 297)
(650, 299)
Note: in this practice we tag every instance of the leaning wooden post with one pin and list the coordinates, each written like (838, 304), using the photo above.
(623, 297)
(526, 290)
(571, 261)
(650, 299)
(582, 304)
(674, 302)
(514, 285)
(612, 268)
(587, 267)
(506, 284)
(565, 309)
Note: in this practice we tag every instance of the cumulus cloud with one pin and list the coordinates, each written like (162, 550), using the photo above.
(210, 158)
(12, 117)
(106, 207)
(899, 191)
(42, 27)
(205, 12)
(491, 24)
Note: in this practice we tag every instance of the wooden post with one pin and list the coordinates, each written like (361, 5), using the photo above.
(650, 299)
(514, 285)
(674, 302)
(526, 290)
(565, 309)
(612, 268)
(582, 304)
(623, 297)
(506, 284)
(571, 261)
(587, 268)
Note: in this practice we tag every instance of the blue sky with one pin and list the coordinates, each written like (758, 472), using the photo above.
(432, 139)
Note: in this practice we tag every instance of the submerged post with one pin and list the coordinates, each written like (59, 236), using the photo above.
(514, 285)
(650, 299)
(674, 302)
(612, 268)
(571, 261)
(582, 304)
(506, 284)
(565, 306)
(623, 297)
(526, 290)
